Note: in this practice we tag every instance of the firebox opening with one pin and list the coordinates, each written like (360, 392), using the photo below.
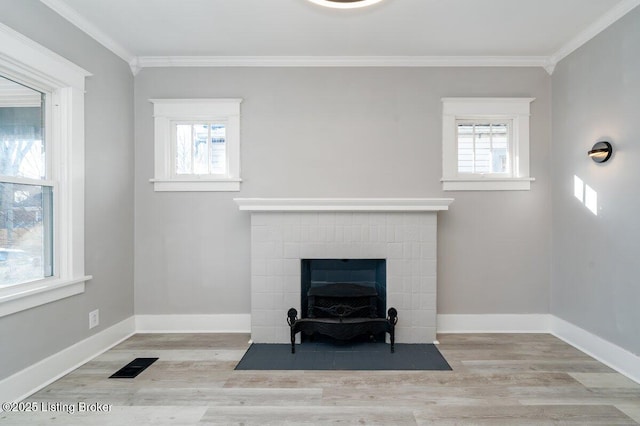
(346, 288)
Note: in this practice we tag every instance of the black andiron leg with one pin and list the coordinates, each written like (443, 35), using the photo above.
(393, 320)
(292, 317)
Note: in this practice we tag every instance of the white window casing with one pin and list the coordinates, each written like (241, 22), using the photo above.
(168, 112)
(26, 61)
(516, 111)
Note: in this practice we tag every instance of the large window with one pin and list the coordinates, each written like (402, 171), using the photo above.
(485, 143)
(197, 144)
(26, 196)
(41, 175)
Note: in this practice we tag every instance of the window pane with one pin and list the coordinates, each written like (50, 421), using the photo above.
(183, 149)
(482, 128)
(483, 147)
(22, 151)
(465, 129)
(465, 148)
(200, 149)
(499, 135)
(218, 149)
(483, 160)
(499, 161)
(499, 148)
(25, 233)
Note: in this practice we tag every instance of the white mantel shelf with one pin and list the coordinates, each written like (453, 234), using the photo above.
(343, 204)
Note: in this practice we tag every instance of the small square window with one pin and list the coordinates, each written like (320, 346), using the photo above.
(485, 144)
(197, 144)
(200, 149)
(484, 147)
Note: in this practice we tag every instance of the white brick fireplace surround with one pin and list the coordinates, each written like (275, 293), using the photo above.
(285, 231)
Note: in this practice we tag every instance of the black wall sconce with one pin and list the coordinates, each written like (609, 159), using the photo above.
(601, 152)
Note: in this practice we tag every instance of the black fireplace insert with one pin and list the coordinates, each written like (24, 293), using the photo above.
(350, 307)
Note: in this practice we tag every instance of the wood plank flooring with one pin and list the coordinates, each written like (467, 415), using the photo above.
(497, 379)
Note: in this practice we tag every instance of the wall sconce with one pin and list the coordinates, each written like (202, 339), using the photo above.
(601, 152)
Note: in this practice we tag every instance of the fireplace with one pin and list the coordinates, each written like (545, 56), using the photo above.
(285, 232)
(342, 299)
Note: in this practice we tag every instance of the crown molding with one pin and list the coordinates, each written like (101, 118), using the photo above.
(549, 67)
(341, 61)
(136, 63)
(591, 31)
(71, 15)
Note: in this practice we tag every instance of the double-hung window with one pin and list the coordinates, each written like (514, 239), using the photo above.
(485, 144)
(197, 144)
(41, 175)
(26, 190)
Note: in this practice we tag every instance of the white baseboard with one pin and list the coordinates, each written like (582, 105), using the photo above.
(33, 378)
(493, 323)
(606, 352)
(223, 323)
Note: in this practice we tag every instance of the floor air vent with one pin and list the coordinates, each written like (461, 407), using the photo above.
(134, 368)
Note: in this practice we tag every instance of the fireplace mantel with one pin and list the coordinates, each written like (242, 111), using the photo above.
(286, 231)
(343, 204)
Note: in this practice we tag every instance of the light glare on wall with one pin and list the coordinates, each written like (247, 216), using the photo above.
(591, 199)
(578, 188)
(585, 194)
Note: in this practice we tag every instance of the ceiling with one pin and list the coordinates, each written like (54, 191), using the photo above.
(529, 31)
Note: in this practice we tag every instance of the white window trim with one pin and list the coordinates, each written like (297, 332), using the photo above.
(517, 110)
(36, 66)
(167, 111)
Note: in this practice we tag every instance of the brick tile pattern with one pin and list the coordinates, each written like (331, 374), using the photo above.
(279, 240)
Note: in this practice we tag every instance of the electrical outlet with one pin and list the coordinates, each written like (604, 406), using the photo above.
(94, 318)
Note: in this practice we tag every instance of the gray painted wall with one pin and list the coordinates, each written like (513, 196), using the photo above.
(596, 96)
(353, 133)
(341, 132)
(32, 335)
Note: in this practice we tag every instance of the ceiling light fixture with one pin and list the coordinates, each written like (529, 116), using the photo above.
(345, 4)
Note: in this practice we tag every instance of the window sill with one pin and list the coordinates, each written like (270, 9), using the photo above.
(192, 185)
(487, 184)
(29, 295)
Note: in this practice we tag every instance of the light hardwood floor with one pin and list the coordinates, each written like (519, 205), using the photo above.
(497, 379)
